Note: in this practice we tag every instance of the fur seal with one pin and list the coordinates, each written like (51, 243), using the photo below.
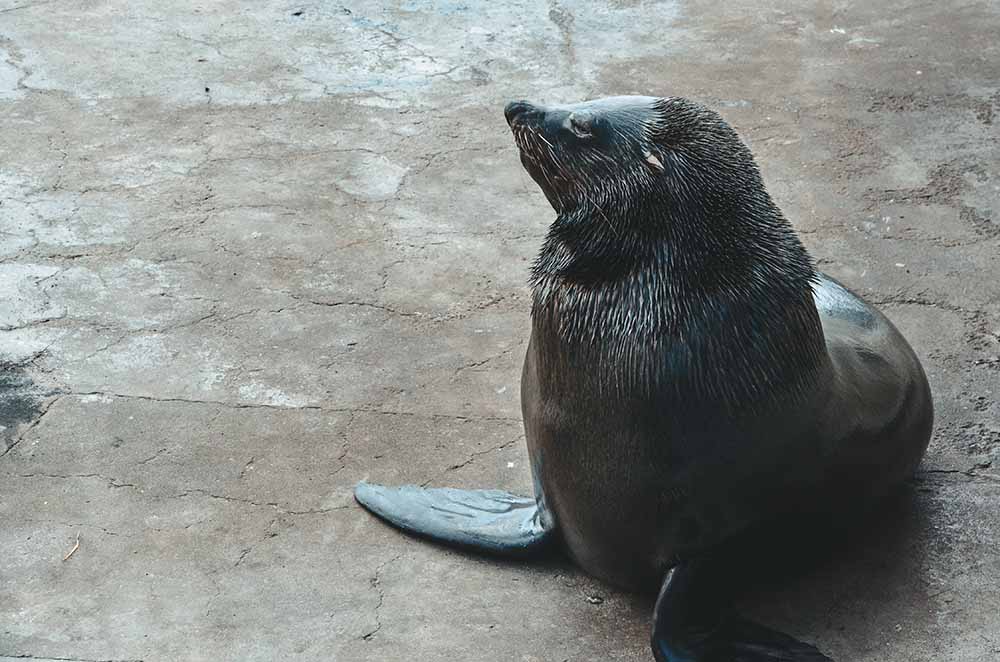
(690, 375)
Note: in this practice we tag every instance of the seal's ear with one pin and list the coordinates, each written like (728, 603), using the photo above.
(653, 160)
(657, 133)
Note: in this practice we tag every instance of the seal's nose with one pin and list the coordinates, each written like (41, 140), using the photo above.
(515, 108)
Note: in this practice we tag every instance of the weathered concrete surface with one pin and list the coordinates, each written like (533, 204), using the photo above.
(253, 252)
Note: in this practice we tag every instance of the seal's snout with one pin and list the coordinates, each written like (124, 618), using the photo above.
(515, 108)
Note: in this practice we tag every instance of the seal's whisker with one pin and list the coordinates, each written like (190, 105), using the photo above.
(601, 212)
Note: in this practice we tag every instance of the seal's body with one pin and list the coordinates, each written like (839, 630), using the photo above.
(639, 475)
(689, 373)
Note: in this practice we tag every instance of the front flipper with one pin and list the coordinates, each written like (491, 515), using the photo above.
(488, 520)
(691, 624)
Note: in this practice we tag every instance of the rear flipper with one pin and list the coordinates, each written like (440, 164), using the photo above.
(488, 520)
(691, 624)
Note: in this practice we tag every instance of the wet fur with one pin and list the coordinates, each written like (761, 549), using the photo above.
(683, 280)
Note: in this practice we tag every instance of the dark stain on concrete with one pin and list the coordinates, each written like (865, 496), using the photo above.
(19, 401)
(984, 108)
(981, 221)
(945, 184)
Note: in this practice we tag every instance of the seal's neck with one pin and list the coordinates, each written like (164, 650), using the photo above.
(693, 240)
(715, 308)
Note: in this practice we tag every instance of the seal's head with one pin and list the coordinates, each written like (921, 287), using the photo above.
(630, 151)
(637, 178)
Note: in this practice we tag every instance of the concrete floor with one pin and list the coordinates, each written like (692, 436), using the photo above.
(253, 252)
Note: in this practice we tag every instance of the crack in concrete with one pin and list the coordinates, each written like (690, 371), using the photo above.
(472, 458)
(223, 497)
(27, 325)
(29, 361)
(125, 534)
(268, 534)
(247, 467)
(217, 403)
(31, 253)
(120, 338)
(195, 40)
(478, 364)
(907, 236)
(376, 583)
(64, 154)
(29, 5)
(971, 474)
(914, 235)
(451, 417)
(214, 316)
(112, 482)
(257, 504)
(49, 658)
(345, 440)
(363, 304)
(46, 408)
(44, 305)
(429, 158)
(243, 555)
(380, 28)
(318, 511)
(152, 457)
(74, 525)
(917, 299)
(16, 57)
(244, 405)
(493, 301)
(384, 273)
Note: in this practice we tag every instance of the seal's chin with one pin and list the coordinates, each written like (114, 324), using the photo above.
(529, 138)
(543, 181)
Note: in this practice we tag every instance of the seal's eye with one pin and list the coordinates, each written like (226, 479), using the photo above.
(580, 126)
